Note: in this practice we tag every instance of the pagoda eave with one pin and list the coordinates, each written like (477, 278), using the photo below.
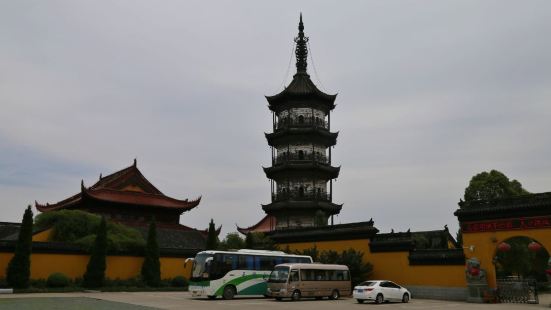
(294, 206)
(290, 135)
(309, 168)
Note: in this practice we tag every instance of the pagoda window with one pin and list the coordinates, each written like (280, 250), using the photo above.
(301, 191)
(301, 119)
(301, 155)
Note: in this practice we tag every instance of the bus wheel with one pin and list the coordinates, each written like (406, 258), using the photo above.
(335, 295)
(296, 295)
(229, 292)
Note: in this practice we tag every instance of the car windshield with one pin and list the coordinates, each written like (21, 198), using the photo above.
(199, 266)
(279, 275)
(367, 283)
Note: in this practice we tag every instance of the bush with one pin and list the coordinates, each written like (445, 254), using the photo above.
(75, 226)
(57, 279)
(179, 281)
(38, 283)
(3, 283)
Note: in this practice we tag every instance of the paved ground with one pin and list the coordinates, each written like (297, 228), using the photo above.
(54, 303)
(183, 300)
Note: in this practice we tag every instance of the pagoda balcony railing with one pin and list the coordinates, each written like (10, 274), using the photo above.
(301, 158)
(288, 122)
(299, 195)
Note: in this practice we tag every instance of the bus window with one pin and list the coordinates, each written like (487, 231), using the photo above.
(303, 260)
(246, 262)
(321, 275)
(229, 261)
(307, 275)
(263, 263)
(278, 260)
(294, 276)
(343, 275)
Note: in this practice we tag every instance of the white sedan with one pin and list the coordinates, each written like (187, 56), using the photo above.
(380, 291)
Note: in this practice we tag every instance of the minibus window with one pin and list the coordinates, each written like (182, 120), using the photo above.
(294, 276)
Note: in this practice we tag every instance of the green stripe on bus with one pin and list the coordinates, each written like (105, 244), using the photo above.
(257, 289)
(235, 282)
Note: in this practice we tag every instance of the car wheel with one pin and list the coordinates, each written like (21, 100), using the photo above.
(229, 292)
(296, 295)
(379, 299)
(360, 301)
(335, 295)
(405, 298)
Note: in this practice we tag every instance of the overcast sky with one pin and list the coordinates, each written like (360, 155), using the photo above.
(429, 94)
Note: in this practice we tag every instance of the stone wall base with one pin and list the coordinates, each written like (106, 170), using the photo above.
(438, 292)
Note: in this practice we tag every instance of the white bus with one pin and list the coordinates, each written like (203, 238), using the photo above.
(230, 273)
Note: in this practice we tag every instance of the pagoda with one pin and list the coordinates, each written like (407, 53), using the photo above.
(301, 174)
(126, 196)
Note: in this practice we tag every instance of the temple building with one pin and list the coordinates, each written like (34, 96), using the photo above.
(127, 197)
(301, 173)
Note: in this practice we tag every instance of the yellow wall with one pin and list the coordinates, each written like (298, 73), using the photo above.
(74, 266)
(43, 236)
(485, 245)
(393, 265)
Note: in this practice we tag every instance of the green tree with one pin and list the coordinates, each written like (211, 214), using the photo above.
(459, 237)
(19, 267)
(259, 241)
(212, 237)
(79, 227)
(520, 261)
(492, 185)
(95, 270)
(151, 268)
(232, 241)
(249, 242)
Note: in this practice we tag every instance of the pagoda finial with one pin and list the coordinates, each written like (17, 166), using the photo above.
(135, 162)
(82, 188)
(301, 51)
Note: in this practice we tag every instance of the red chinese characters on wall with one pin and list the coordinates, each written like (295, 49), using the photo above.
(509, 224)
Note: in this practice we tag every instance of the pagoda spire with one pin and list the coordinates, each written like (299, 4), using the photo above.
(301, 51)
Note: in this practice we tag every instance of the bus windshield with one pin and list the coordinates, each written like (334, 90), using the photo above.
(199, 265)
(279, 275)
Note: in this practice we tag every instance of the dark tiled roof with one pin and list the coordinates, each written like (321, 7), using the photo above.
(519, 206)
(9, 231)
(112, 188)
(406, 241)
(359, 230)
(177, 238)
(301, 86)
